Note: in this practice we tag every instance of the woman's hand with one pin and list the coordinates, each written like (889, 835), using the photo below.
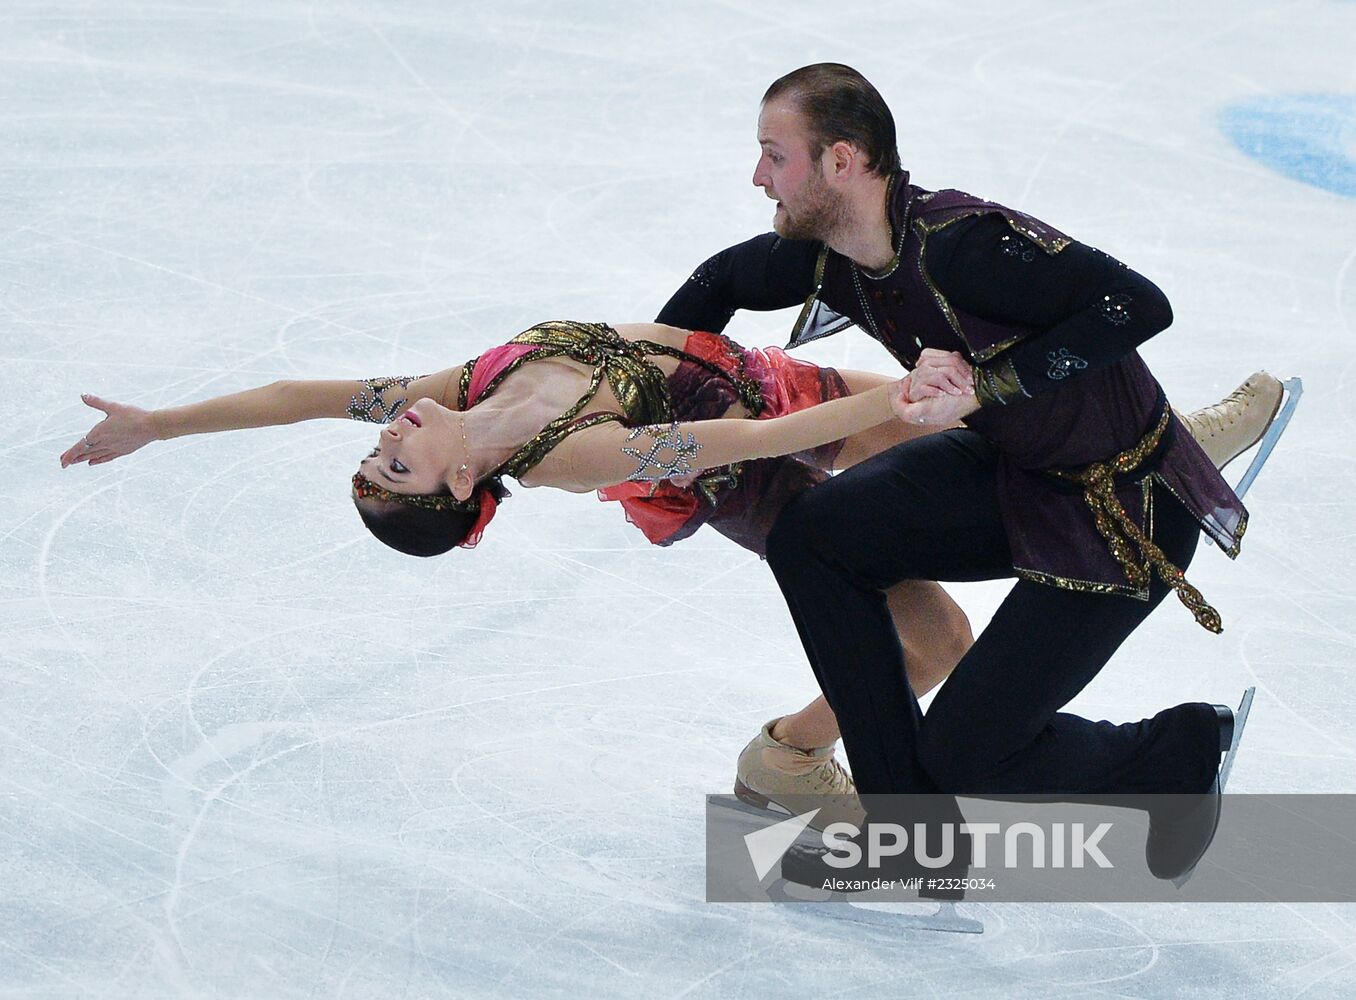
(938, 409)
(123, 430)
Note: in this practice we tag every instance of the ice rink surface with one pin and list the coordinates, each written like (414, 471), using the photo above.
(245, 751)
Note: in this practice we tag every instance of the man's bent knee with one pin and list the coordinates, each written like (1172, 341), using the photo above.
(955, 765)
(827, 507)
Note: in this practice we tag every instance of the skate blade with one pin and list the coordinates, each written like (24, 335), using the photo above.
(946, 919)
(1294, 389)
(764, 812)
(895, 915)
(1240, 720)
(750, 803)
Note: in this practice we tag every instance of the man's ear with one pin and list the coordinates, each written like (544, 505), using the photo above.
(843, 159)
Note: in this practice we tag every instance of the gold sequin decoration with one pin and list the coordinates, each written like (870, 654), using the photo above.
(637, 382)
(364, 487)
(1099, 490)
(997, 382)
(1050, 244)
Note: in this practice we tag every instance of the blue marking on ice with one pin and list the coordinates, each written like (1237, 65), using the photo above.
(1307, 137)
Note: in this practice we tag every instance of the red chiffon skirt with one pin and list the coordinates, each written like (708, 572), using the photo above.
(740, 502)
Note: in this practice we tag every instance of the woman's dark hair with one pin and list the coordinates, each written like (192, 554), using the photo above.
(422, 531)
(838, 103)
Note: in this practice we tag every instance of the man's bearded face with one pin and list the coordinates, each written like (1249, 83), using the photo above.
(807, 207)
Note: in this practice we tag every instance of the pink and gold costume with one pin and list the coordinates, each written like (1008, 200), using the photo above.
(740, 501)
(714, 373)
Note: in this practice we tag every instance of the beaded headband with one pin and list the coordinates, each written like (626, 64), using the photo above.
(364, 487)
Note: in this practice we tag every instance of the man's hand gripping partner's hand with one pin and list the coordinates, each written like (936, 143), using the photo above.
(939, 391)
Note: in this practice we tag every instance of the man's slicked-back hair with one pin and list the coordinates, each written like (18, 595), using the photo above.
(838, 103)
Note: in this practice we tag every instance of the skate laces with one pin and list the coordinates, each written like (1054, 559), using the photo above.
(1218, 417)
(826, 774)
(831, 777)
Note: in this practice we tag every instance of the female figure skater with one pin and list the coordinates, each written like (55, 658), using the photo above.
(651, 416)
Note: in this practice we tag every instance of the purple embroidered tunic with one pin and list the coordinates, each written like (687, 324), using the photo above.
(1050, 401)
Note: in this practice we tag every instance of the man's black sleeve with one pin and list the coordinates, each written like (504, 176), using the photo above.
(1089, 309)
(766, 272)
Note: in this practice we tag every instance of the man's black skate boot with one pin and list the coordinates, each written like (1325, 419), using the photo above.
(1181, 827)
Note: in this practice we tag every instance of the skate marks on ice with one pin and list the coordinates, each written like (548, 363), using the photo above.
(185, 238)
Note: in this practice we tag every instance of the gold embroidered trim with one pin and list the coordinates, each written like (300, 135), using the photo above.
(1082, 586)
(636, 381)
(1232, 550)
(1099, 490)
(998, 384)
(1096, 586)
(364, 487)
(924, 231)
(1051, 244)
(464, 384)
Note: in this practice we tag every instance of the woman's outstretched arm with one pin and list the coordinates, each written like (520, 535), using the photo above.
(611, 453)
(126, 428)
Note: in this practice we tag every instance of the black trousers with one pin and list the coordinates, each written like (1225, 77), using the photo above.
(928, 510)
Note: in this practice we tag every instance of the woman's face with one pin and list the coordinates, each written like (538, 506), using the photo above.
(418, 451)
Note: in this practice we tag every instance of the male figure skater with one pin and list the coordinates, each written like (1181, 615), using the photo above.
(1071, 473)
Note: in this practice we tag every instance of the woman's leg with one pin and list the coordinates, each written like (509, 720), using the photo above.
(933, 630)
(794, 756)
(935, 634)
